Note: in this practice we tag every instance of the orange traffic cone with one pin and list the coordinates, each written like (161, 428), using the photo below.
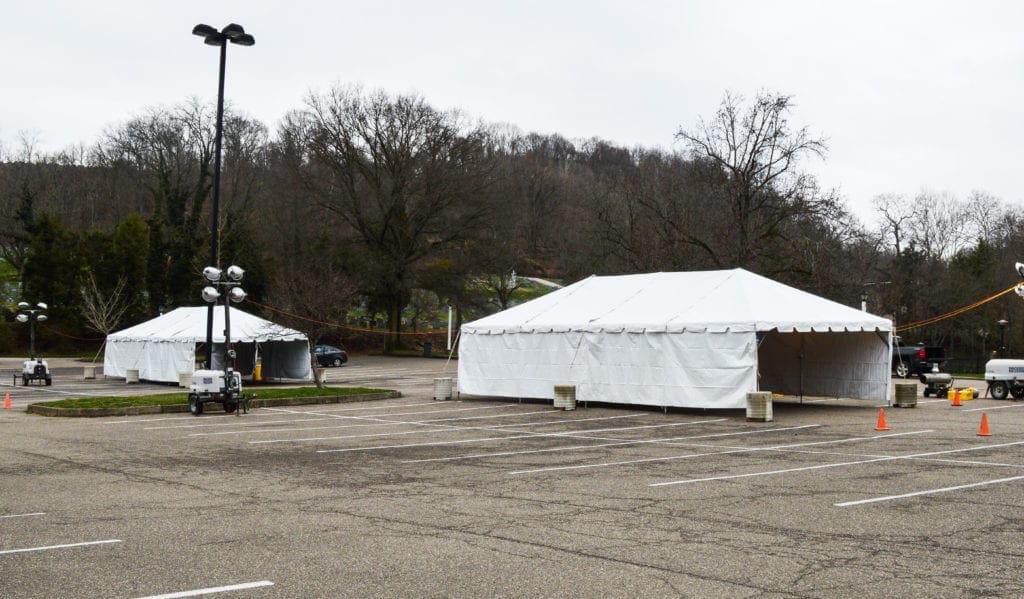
(983, 430)
(7, 400)
(881, 426)
(956, 398)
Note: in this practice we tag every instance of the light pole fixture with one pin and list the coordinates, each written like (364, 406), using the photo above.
(1002, 322)
(234, 294)
(29, 314)
(864, 293)
(235, 34)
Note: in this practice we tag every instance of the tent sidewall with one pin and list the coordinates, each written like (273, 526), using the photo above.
(680, 369)
(155, 360)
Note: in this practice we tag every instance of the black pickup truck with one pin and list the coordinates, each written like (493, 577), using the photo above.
(911, 360)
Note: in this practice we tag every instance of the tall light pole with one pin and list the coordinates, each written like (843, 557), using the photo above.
(30, 315)
(864, 293)
(236, 35)
(1002, 322)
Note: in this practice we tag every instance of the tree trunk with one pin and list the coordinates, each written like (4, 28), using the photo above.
(315, 365)
(393, 341)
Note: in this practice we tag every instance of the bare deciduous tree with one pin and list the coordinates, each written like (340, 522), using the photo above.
(897, 215)
(407, 179)
(104, 311)
(759, 155)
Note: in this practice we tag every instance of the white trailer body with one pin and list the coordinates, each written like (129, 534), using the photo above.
(1005, 377)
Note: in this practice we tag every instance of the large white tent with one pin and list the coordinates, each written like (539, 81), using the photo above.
(687, 339)
(164, 347)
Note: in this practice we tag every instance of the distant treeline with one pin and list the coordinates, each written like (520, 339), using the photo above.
(364, 207)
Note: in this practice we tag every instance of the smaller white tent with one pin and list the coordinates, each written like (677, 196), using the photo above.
(164, 347)
(686, 339)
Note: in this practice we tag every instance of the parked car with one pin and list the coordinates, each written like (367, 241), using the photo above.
(328, 355)
(911, 360)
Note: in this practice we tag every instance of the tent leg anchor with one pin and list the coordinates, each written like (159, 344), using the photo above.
(664, 409)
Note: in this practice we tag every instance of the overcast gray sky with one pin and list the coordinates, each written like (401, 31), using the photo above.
(911, 96)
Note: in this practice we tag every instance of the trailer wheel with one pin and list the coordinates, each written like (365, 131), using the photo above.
(49, 381)
(999, 389)
(194, 405)
(1017, 391)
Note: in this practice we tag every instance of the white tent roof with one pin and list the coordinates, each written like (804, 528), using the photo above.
(719, 300)
(189, 325)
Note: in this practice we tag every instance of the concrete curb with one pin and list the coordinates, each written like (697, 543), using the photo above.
(42, 410)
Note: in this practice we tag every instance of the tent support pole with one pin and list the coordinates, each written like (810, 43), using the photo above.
(801, 368)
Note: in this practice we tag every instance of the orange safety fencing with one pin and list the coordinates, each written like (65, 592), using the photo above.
(63, 334)
(286, 313)
(901, 328)
(345, 326)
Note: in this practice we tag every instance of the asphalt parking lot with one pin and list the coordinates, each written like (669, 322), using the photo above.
(484, 497)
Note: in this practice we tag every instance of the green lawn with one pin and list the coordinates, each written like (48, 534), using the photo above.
(181, 398)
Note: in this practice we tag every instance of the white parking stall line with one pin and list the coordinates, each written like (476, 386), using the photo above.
(140, 420)
(835, 465)
(65, 546)
(929, 492)
(379, 405)
(580, 434)
(377, 423)
(969, 462)
(1006, 407)
(233, 423)
(309, 439)
(420, 413)
(226, 418)
(380, 422)
(381, 417)
(75, 393)
(211, 590)
(23, 515)
(421, 422)
(250, 415)
(317, 418)
(667, 440)
(437, 428)
(770, 472)
(690, 456)
(956, 462)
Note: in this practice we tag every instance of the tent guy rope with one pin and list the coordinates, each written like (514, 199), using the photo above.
(957, 312)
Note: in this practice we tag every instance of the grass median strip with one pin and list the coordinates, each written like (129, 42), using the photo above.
(181, 398)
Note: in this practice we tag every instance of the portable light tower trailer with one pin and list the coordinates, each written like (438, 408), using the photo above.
(208, 386)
